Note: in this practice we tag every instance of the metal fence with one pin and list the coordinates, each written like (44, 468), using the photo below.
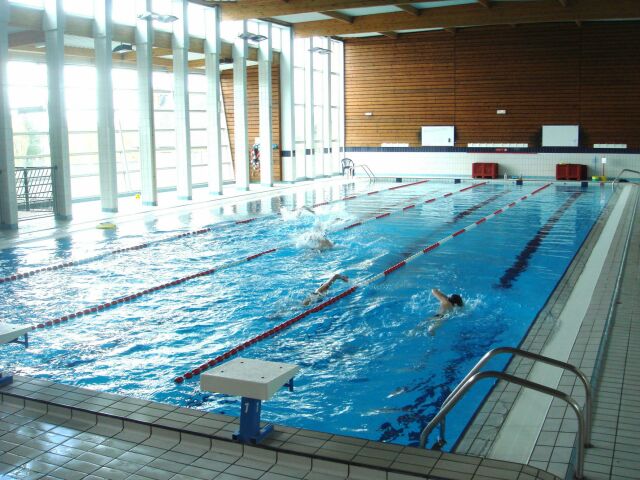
(34, 188)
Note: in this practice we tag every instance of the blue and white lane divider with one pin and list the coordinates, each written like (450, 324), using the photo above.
(140, 246)
(272, 331)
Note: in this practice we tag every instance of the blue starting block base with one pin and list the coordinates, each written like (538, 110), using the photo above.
(250, 431)
(5, 379)
(253, 381)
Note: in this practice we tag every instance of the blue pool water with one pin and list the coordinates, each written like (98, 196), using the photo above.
(371, 366)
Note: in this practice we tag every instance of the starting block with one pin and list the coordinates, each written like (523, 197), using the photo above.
(254, 381)
(12, 334)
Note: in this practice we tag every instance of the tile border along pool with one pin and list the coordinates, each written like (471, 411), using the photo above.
(69, 432)
(60, 431)
(548, 438)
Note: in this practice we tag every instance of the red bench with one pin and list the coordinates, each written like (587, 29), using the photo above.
(571, 171)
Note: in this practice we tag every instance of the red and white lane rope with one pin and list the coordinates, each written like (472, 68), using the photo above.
(413, 205)
(140, 246)
(103, 306)
(242, 346)
(127, 298)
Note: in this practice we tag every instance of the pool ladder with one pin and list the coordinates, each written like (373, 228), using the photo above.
(368, 171)
(474, 375)
(617, 179)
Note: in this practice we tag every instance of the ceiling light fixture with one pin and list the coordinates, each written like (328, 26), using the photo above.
(320, 50)
(157, 17)
(252, 37)
(123, 48)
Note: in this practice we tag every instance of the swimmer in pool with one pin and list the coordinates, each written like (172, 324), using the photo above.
(317, 239)
(446, 305)
(322, 290)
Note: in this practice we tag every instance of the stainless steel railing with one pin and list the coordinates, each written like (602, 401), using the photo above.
(367, 170)
(617, 179)
(584, 419)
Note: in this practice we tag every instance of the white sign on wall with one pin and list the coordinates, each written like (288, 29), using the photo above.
(438, 136)
(560, 135)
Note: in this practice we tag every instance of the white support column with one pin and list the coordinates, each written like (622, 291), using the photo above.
(287, 108)
(53, 26)
(341, 113)
(8, 203)
(265, 57)
(309, 113)
(241, 155)
(180, 43)
(106, 129)
(326, 111)
(144, 46)
(212, 47)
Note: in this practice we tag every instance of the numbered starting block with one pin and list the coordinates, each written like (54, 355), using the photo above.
(254, 381)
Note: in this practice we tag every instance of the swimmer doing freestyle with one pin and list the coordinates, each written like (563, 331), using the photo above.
(322, 290)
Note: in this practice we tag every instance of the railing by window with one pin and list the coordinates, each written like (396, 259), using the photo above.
(34, 189)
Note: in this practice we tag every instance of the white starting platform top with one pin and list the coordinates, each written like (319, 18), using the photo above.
(9, 333)
(246, 377)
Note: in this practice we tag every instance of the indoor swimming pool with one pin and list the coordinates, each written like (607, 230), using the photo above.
(374, 364)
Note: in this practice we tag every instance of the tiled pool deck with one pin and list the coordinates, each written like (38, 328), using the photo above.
(51, 430)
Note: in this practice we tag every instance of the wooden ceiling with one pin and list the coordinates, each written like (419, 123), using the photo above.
(329, 18)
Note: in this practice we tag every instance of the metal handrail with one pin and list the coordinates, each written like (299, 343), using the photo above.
(534, 356)
(523, 383)
(367, 170)
(617, 179)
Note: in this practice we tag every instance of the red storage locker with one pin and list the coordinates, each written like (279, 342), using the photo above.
(484, 170)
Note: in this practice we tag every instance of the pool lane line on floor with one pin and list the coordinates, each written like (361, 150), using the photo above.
(140, 246)
(127, 298)
(522, 260)
(278, 328)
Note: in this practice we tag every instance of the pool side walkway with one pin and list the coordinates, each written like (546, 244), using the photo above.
(616, 419)
(56, 431)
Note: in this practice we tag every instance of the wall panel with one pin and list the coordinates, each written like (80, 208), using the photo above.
(539, 74)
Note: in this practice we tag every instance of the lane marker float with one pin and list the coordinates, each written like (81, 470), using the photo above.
(178, 281)
(70, 263)
(258, 338)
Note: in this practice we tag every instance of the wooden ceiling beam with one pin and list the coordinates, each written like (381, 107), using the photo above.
(410, 9)
(338, 16)
(161, 52)
(199, 63)
(27, 37)
(246, 9)
(87, 53)
(501, 13)
(31, 19)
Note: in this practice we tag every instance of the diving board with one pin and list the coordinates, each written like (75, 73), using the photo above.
(11, 334)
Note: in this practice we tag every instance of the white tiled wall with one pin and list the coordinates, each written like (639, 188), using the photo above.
(513, 164)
